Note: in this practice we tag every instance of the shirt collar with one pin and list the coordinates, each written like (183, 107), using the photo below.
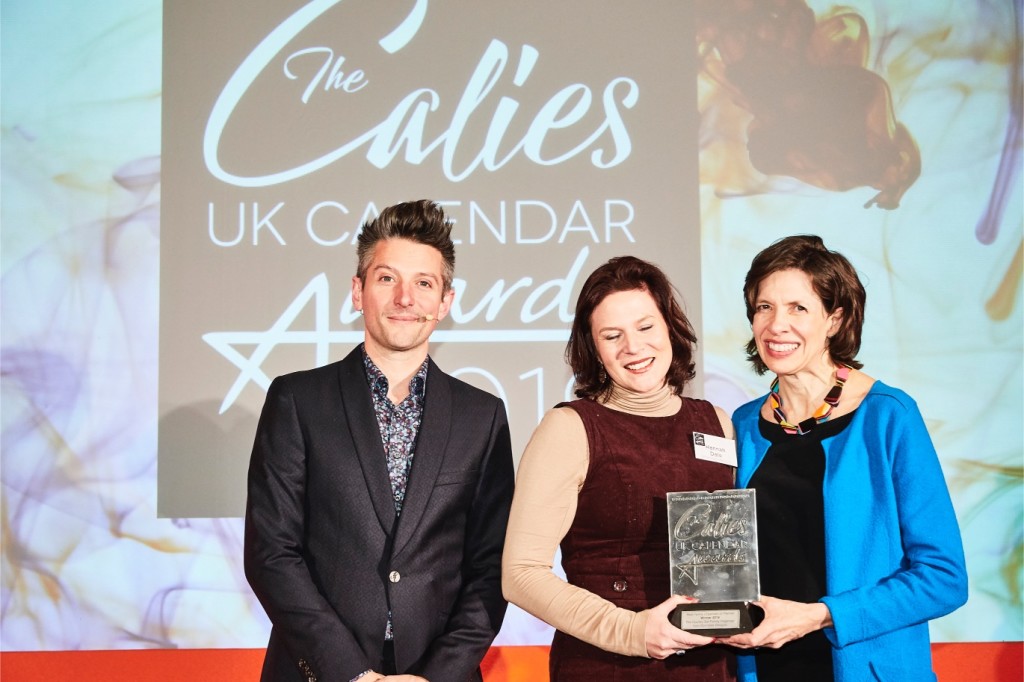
(379, 383)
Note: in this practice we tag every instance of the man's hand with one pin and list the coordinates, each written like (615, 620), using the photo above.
(377, 677)
(664, 639)
(783, 622)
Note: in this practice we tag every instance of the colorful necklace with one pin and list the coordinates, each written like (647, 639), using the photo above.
(820, 415)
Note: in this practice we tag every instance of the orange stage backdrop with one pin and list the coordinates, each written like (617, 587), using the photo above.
(973, 662)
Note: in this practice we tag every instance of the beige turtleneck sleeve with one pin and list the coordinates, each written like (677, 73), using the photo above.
(550, 476)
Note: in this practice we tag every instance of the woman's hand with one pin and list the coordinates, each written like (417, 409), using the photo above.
(783, 622)
(662, 637)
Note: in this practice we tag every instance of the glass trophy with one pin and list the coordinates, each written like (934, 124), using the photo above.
(712, 538)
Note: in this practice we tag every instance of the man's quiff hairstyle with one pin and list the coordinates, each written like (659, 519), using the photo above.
(422, 221)
(833, 279)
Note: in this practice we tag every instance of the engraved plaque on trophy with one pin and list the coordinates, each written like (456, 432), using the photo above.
(712, 540)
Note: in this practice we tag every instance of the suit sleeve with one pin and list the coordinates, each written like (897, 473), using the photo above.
(480, 609)
(275, 558)
(932, 578)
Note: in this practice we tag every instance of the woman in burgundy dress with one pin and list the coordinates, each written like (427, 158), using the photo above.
(594, 478)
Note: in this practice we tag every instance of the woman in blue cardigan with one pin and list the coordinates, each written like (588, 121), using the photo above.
(858, 543)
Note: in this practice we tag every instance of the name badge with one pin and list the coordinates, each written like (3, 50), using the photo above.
(714, 448)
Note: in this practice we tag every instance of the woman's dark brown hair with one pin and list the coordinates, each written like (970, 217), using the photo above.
(833, 279)
(626, 273)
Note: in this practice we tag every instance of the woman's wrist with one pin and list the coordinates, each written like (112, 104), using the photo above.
(822, 615)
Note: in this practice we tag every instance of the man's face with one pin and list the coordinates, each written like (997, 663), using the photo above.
(403, 289)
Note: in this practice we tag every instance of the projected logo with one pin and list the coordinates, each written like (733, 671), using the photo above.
(323, 72)
(549, 159)
(320, 72)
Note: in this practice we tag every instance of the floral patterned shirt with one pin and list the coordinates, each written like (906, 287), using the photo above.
(399, 424)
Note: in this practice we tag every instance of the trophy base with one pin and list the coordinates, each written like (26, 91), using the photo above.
(717, 619)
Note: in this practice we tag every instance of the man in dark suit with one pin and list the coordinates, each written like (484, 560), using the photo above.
(379, 487)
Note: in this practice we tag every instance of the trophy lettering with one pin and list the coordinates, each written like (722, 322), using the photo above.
(712, 539)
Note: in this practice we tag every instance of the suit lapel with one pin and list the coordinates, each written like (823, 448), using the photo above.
(430, 448)
(362, 421)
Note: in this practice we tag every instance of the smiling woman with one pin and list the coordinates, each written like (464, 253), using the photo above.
(632, 341)
(594, 478)
(858, 541)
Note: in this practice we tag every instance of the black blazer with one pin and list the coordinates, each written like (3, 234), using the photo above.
(325, 554)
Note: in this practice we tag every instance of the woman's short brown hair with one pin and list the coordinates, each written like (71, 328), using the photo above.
(627, 273)
(833, 279)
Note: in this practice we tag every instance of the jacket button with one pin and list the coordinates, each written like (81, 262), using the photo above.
(620, 585)
(394, 576)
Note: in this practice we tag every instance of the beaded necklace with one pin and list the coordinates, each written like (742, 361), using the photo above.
(820, 415)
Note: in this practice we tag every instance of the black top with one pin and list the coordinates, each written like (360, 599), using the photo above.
(791, 541)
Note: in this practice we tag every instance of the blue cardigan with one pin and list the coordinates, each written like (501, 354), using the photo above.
(893, 555)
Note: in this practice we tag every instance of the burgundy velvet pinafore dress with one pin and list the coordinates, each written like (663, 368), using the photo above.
(617, 546)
